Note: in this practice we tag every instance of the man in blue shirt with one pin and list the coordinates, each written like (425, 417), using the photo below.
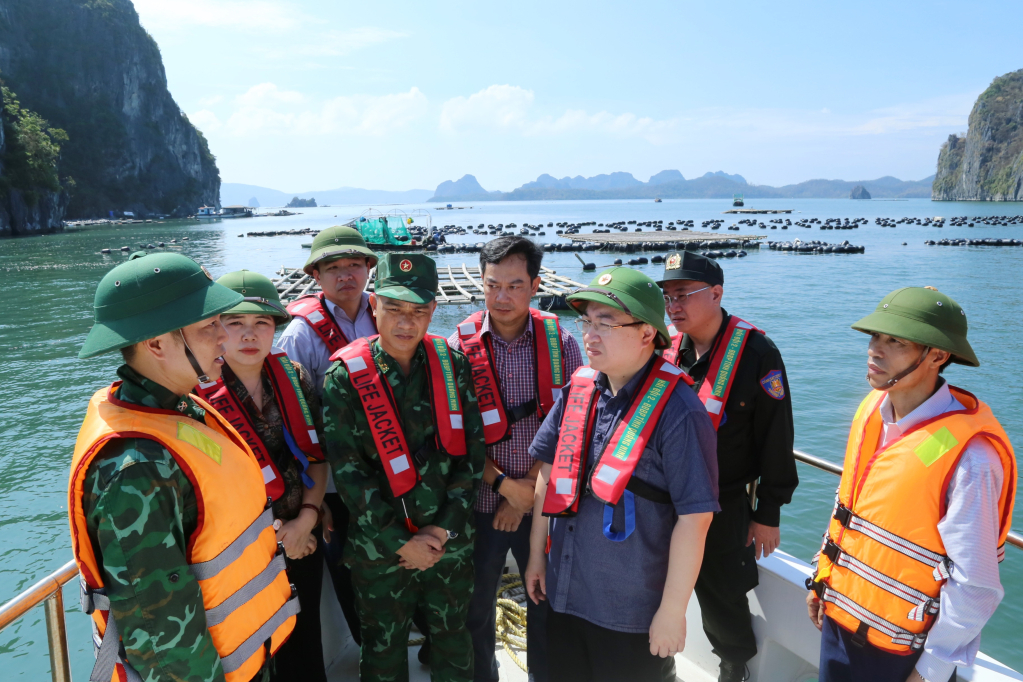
(620, 576)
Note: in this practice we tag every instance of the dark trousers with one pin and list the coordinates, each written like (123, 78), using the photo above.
(489, 557)
(584, 652)
(844, 661)
(340, 575)
(300, 659)
(728, 572)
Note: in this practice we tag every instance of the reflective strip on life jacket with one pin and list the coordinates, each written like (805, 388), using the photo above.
(941, 564)
(901, 637)
(313, 309)
(617, 461)
(549, 371)
(233, 552)
(378, 403)
(724, 361)
(298, 419)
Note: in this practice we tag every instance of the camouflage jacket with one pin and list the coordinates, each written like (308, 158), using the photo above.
(141, 510)
(445, 495)
(269, 426)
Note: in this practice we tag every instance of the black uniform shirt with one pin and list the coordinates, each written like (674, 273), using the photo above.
(755, 436)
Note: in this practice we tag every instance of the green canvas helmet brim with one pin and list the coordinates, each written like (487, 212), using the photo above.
(254, 308)
(194, 307)
(409, 294)
(909, 329)
(596, 294)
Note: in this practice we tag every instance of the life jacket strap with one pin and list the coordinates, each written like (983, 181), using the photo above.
(108, 649)
(925, 605)
(941, 564)
(520, 412)
(246, 649)
(639, 487)
(207, 569)
(629, 501)
(915, 641)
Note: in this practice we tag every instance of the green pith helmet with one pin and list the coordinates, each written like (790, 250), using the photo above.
(150, 295)
(261, 297)
(338, 242)
(408, 277)
(923, 315)
(631, 292)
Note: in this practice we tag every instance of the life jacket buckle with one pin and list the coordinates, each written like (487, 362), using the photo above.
(831, 551)
(859, 639)
(843, 515)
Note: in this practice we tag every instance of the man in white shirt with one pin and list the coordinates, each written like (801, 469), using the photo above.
(323, 323)
(908, 574)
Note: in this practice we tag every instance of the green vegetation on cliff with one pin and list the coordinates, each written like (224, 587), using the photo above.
(986, 164)
(31, 150)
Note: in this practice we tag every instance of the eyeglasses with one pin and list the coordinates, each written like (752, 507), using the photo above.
(682, 299)
(586, 326)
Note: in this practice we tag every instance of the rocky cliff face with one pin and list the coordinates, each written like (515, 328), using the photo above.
(90, 68)
(987, 164)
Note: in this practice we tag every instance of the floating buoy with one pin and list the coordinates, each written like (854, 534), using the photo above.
(104, 250)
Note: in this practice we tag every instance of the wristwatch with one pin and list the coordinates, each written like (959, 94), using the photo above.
(451, 534)
(496, 485)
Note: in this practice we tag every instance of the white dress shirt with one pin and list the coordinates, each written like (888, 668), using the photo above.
(969, 531)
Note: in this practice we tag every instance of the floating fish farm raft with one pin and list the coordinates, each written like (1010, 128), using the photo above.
(759, 210)
(459, 285)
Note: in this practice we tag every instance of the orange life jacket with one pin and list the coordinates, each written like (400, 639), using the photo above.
(313, 309)
(883, 563)
(724, 361)
(384, 424)
(612, 471)
(550, 373)
(250, 608)
(299, 430)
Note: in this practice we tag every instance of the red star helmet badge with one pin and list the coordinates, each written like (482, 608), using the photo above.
(405, 265)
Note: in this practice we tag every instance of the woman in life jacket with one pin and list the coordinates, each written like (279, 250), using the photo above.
(271, 402)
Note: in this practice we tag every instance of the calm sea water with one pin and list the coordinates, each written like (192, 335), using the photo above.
(804, 302)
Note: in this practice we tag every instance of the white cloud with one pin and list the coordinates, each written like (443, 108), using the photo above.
(211, 100)
(267, 110)
(205, 120)
(337, 43)
(245, 15)
(499, 106)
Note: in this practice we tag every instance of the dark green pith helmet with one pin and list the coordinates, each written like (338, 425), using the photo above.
(261, 297)
(629, 291)
(338, 242)
(408, 277)
(150, 295)
(925, 316)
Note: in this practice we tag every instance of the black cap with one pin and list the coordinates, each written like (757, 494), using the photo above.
(691, 266)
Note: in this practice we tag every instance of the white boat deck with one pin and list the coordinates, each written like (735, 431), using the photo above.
(788, 643)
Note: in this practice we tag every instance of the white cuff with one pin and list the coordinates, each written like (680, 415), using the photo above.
(934, 669)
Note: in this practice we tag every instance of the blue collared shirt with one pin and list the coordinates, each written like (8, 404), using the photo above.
(618, 585)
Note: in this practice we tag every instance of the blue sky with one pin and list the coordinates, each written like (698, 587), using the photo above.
(308, 95)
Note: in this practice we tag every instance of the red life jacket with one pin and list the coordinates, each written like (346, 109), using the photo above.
(384, 424)
(298, 419)
(313, 309)
(724, 361)
(550, 373)
(612, 472)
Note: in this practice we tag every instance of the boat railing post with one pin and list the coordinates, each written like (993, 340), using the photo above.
(56, 635)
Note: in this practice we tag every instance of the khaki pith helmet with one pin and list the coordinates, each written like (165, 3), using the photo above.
(923, 315)
(338, 242)
(150, 295)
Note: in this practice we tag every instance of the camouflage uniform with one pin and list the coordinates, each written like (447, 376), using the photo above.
(386, 594)
(141, 510)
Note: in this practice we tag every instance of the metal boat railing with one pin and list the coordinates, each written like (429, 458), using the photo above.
(50, 591)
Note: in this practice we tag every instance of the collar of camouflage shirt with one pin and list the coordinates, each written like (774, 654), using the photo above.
(139, 390)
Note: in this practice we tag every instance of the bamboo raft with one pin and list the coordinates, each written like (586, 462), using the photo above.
(459, 284)
(661, 237)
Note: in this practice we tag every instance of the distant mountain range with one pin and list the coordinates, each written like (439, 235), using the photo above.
(670, 184)
(236, 194)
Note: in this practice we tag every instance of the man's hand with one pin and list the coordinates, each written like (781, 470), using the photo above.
(815, 608)
(328, 522)
(436, 532)
(536, 577)
(421, 552)
(519, 493)
(668, 632)
(767, 538)
(507, 518)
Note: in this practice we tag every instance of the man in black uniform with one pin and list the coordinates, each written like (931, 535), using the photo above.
(740, 378)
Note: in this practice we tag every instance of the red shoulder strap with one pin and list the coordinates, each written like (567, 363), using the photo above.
(611, 473)
(298, 418)
(567, 473)
(724, 362)
(378, 404)
(446, 401)
(672, 352)
(226, 403)
(550, 359)
(496, 425)
(313, 309)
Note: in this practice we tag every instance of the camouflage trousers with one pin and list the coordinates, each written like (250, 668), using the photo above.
(386, 600)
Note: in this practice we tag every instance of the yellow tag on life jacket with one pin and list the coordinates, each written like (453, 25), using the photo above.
(936, 445)
(199, 441)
